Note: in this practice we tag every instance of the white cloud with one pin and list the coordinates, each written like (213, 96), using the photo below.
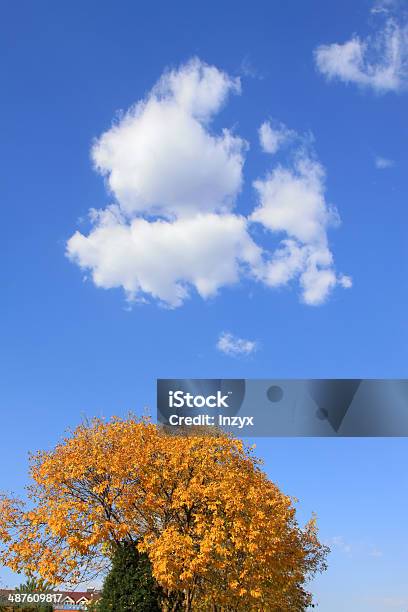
(292, 202)
(318, 277)
(273, 137)
(287, 261)
(383, 6)
(235, 347)
(173, 227)
(358, 547)
(161, 158)
(162, 259)
(345, 281)
(379, 62)
(341, 544)
(382, 163)
(248, 69)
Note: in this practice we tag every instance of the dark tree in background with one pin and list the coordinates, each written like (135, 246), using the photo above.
(130, 586)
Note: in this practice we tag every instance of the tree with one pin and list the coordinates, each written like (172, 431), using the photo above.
(219, 534)
(130, 586)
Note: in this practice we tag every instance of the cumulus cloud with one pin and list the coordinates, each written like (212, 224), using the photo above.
(163, 259)
(272, 137)
(379, 62)
(382, 163)
(160, 158)
(173, 227)
(292, 203)
(234, 346)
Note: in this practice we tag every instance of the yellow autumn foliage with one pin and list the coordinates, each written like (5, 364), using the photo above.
(213, 525)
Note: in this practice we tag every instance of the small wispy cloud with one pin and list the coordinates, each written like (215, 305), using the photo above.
(375, 553)
(273, 135)
(357, 547)
(248, 69)
(383, 6)
(382, 163)
(345, 281)
(340, 543)
(234, 346)
(379, 62)
(387, 603)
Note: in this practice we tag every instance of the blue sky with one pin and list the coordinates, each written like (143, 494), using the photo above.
(71, 349)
